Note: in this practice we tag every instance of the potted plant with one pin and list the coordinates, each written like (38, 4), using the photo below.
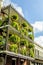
(23, 50)
(14, 38)
(15, 25)
(13, 48)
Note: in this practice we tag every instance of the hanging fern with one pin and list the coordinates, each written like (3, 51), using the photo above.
(15, 25)
(14, 38)
(23, 51)
(31, 45)
(24, 32)
(24, 24)
(14, 17)
(2, 42)
(13, 48)
(31, 53)
(24, 42)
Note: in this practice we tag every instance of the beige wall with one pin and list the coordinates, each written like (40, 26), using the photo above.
(38, 48)
(40, 51)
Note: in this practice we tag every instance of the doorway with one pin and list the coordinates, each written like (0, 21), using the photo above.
(13, 62)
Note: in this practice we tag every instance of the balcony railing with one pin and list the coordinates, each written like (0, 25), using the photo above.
(6, 45)
(38, 55)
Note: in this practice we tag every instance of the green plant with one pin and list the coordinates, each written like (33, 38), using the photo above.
(2, 42)
(31, 36)
(0, 22)
(31, 53)
(24, 24)
(31, 45)
(23, 50)
(30, 29)
(14, 38)
(5, 21)
(24, 42)
(24, 32)
(13, 48)
(14, 18)
(15, 25)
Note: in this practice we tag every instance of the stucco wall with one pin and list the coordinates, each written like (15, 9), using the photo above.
(40, 50)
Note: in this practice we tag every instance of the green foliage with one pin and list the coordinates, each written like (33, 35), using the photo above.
(24, 24)
(13, 48)
(14, 38)
(15, 25)
(23, 51)
(24, 32)
(2, 40)
(31, 53)
(31, 45)
(24, 42)
(6, 20)
(31, 36)
(0, 22)
(30, 29)
(14, 18)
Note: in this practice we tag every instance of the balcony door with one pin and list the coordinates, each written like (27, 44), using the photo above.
(13, 61)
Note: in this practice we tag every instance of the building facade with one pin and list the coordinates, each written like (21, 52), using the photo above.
(17, 45)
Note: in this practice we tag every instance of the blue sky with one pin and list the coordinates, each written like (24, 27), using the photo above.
(32, 10)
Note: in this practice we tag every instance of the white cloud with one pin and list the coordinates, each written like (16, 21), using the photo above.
(39, 40)
(6, 2)
(16, 6)
(38, 26)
